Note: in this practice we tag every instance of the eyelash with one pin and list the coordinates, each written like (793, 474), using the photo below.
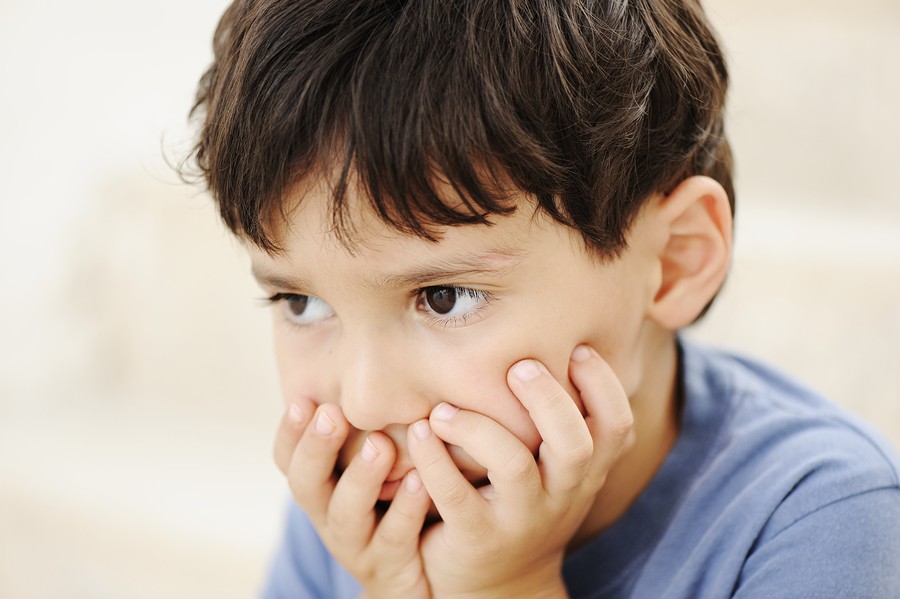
(276, 297)
(486, 297)
(273, 299)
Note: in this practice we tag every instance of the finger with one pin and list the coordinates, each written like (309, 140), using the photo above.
(351, 512)
(609, 417)
(293, 423)
(311, 470)
(397, 535)
(455, 498)
(511, 467)
(567, 447)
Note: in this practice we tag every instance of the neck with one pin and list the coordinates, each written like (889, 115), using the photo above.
(654, 407)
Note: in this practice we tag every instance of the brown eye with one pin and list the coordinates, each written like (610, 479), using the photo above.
(303, 309)
(296, 304)
(440, 299)
(450, 305)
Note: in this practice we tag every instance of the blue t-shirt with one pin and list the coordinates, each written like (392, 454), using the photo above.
(769, 492)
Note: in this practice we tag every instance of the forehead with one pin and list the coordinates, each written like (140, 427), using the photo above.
(374, 251)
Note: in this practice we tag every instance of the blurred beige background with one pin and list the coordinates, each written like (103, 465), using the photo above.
(137, 391)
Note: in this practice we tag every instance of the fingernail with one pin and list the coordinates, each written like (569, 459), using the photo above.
(488, 492)
(444, 411)
(295, 415)
(526, 370)
(324, 424)
(413, 482)
(581, 353)
(421, 430)
(369, 451)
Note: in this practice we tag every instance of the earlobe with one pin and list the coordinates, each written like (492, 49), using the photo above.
(693, 261)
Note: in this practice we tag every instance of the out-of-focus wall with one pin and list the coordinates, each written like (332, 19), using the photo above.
(815, 285)
(137, 391)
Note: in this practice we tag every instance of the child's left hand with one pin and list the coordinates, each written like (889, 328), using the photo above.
(508, 539)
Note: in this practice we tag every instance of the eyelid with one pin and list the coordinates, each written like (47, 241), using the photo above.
(487, 298)
(277, 297)
(312, 303)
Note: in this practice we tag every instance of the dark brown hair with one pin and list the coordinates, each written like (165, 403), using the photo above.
(589, 106)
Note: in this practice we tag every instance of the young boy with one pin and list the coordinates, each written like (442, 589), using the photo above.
(482, 225)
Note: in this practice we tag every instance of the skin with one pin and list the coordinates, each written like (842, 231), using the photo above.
(497, 433)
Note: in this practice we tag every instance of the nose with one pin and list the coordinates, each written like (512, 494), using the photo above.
(380, 382)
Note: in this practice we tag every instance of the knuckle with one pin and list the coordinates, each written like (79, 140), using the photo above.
(520, 465)
(301, 493)
(313, 452)
(477, 427)
(555, 397)
(389, 536)
(581, 454)
(597, 482)
(621, 427)
(482, 540)
(454, 495)
(429, 462)
(336, 519)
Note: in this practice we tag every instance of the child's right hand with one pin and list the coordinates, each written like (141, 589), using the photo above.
(382, 554)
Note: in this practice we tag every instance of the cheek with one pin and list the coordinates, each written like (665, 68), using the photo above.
(475, 380)
(608, 315)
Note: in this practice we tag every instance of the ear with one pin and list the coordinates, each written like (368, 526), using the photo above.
(694, 257)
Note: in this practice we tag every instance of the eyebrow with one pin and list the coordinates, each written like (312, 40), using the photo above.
(496, 262)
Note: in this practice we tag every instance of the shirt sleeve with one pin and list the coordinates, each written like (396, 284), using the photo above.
(302, 568)
(847, 548)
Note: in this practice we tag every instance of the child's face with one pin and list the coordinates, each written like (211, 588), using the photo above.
(402, 324)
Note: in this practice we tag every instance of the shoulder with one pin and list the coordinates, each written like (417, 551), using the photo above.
(810, 459)
(822, 486)
(780, 490)
(778, 428)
